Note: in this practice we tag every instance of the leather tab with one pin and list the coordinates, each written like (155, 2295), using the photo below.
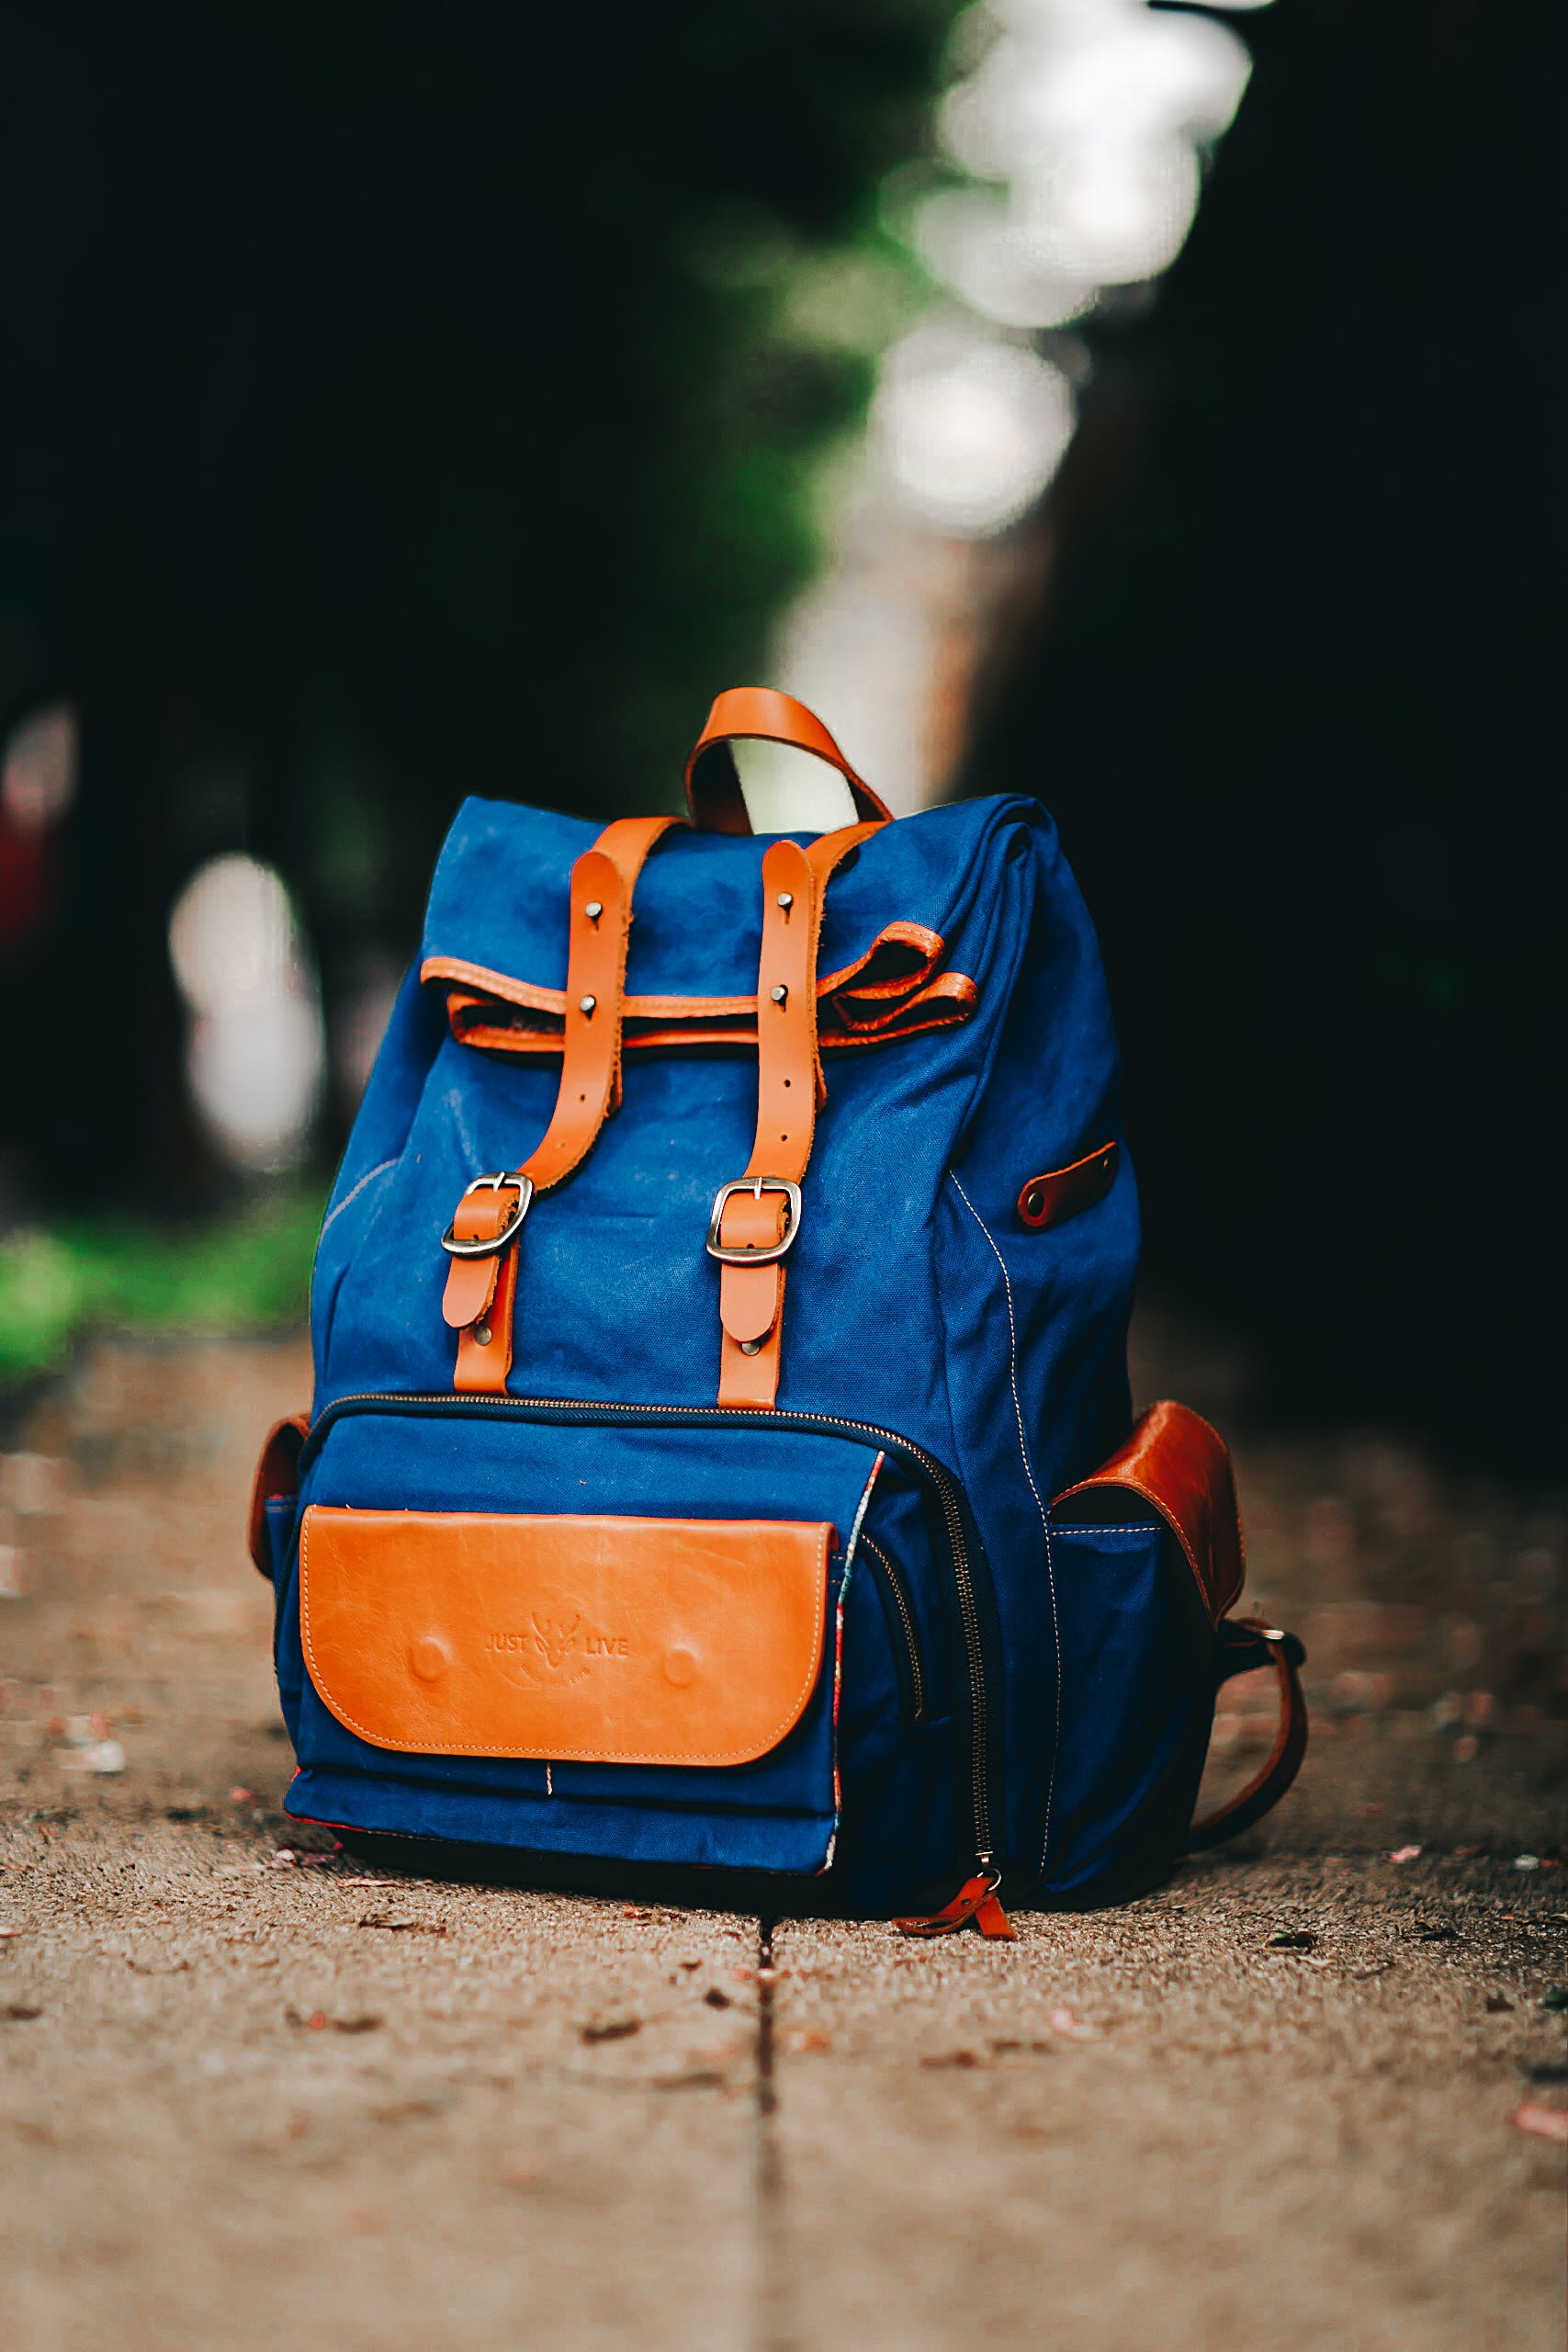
(1063, 1193)
(975, 1900)
(749, 1297)
(993, 1921)
(470, 1281)
(470, 1286)
(483, 1365)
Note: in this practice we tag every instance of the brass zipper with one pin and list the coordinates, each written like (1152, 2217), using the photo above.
(893, 1581)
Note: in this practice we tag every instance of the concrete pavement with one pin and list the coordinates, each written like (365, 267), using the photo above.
(247, 2101)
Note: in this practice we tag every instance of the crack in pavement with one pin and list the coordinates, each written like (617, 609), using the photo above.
(775, 2317)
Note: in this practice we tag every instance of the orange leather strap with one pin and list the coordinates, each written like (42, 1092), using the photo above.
(761, 714)
(481, 1289)
(789, 1088)
(1247, 1643)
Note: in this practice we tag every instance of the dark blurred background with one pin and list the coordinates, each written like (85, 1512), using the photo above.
(400, 405)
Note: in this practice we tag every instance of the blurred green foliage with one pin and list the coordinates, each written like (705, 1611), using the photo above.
(248, 1272)
(406, 403)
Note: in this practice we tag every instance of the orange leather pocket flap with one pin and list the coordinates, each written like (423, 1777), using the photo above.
(601, 1640)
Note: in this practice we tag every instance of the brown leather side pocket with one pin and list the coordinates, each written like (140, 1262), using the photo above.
(601, 1640)
(1177, 1463)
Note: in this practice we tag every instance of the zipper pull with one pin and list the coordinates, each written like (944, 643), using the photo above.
(975, 1900)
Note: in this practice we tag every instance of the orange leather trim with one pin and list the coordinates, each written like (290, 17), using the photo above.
(1064, 1192)
(470, 1281)
(603, 1640)
(750, 1296)
(947, 1002)
(278, 1474)
(891, 990)
(1177, 1461)
(603, 879)
(764, 715)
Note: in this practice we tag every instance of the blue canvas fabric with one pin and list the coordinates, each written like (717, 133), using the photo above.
(978, 1368)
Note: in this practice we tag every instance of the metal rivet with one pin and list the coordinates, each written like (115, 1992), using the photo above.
(1034, 1200)
(586, 1004)
(780, 994)
(482, 1334)
(593, 910)
(750, 1347)
(784, 899)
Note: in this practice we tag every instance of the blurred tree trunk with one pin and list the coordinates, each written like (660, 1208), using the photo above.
(398, 405)
(1294, 700)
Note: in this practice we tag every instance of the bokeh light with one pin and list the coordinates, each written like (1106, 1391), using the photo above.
(970, 429)
(256, 1049)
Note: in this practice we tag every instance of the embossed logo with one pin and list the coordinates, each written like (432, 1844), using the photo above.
(556, 1651)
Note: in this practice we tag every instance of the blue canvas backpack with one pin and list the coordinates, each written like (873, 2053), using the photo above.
(721, 1453)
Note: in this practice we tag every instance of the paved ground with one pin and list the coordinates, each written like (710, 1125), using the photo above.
(246, 2101)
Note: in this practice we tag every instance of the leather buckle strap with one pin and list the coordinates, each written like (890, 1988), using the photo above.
(757, 1218)
(482, 1242)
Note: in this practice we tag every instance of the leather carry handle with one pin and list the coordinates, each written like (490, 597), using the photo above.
(759, 715)
(1247, 1643)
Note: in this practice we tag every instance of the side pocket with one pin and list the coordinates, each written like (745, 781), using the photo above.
(274, 1516)
(275, 1493)
(1137, 1702)
(1147, 1557)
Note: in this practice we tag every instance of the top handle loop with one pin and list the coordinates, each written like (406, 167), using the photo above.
(761, 714)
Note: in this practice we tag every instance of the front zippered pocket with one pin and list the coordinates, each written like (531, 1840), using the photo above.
(955, 1545)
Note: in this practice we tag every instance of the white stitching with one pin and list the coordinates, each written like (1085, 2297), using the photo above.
(1092, 1527)
(1029, 1474)
(357, 1189)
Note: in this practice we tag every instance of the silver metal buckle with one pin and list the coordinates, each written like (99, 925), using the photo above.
(524, 1185)
(756, 1185)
